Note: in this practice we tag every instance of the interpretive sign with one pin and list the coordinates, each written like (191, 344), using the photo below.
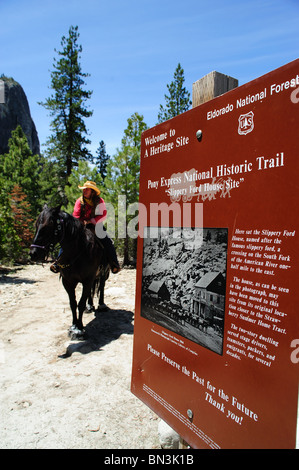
(216, 338)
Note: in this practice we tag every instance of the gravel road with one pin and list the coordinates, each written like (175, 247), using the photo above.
(62, 394)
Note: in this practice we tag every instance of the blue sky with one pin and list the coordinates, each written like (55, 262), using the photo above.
(131, 49)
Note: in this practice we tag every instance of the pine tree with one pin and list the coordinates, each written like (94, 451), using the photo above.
(20, 167)
(23, 223)
(123, 180)
(131, 144)
(178, 100)
(124, 167)
(101, 159)
(52, 189)
(9, 241)
(67, 144)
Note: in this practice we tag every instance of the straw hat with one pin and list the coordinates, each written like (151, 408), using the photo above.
(91, 185)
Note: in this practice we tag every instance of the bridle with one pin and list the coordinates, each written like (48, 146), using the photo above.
(50, 246)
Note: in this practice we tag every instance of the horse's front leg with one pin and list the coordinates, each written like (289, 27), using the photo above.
(74, 331)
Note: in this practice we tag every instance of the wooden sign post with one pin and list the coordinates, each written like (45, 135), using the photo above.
(210, 86)
(216, 335)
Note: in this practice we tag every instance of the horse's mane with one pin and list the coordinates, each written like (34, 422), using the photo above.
(73, 226)
(80, 236)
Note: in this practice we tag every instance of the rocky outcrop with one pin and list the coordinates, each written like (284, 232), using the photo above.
(13, 112)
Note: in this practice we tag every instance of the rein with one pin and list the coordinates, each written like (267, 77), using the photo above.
(58, 232)
(63, 266)
(50, 245)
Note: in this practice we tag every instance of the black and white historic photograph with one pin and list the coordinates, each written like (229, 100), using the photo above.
(184, 282)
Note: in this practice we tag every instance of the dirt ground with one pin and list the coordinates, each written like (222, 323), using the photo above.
(62, 394)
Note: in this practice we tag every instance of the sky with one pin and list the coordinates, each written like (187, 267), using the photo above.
(131, 50)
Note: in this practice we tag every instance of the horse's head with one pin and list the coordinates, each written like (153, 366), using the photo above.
(47, 234)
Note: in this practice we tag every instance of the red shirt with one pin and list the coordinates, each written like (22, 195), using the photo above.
(100, 211)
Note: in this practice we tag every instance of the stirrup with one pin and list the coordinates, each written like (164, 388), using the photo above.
(54, 268)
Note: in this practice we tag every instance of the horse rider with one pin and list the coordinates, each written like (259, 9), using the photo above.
(90, 208)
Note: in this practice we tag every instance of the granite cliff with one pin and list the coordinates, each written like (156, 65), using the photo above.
(13, 111)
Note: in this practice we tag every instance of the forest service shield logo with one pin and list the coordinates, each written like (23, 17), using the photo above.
(246, 123)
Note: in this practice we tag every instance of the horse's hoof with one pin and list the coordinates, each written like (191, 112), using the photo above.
(89, 309)
(75, 333)
(102, 308)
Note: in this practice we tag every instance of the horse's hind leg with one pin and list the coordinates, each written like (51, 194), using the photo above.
(82, 304)
(102, 307)
(89, 305)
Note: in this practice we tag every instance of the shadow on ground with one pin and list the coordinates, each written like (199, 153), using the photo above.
(7, 276)
(101, 330)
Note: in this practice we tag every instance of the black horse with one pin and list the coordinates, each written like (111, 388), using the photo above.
(83, 259)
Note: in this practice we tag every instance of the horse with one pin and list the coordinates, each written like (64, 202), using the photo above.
(83, 259)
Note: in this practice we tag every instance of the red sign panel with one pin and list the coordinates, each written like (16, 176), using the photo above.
(216, 341)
